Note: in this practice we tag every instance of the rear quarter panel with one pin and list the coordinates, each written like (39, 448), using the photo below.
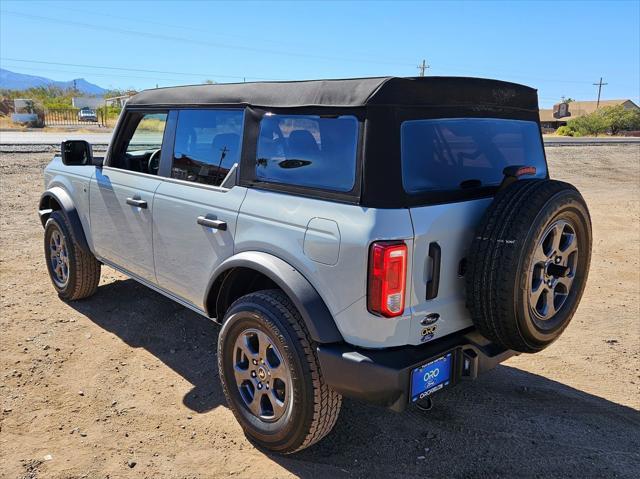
(299, 231)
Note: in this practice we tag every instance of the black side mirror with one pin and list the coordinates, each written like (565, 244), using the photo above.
(76, 152)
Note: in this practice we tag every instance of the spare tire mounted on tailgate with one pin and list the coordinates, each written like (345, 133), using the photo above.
(528, 264)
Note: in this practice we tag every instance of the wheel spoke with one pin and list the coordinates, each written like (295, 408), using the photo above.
(539, 255)
(241, 375)
(571, 247)
(277, 405)
(535, 295)
(281, 372)
(243, 344)
(557, 236)
(566, 281)
(254, 406)
(263, 345)
(550, 309)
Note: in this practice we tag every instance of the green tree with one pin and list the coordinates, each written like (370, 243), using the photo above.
(619, 119)
(592, 124)
(119, 92)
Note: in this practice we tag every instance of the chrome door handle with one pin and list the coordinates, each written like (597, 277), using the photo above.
(137, 202)
(209, 223)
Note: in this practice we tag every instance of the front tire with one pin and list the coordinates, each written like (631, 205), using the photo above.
(75, 273)
(271, 376)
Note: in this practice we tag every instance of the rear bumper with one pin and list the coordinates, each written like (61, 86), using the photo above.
(383, 376)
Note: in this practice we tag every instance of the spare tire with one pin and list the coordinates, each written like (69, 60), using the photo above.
(528, 264)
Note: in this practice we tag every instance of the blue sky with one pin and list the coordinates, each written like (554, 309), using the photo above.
(560, 48)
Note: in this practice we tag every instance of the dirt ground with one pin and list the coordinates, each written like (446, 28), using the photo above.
(124, 384)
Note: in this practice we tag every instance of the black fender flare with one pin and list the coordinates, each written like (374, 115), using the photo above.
(62, 197)
(315, 314)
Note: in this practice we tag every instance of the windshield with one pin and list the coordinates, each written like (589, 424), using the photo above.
(458, 153)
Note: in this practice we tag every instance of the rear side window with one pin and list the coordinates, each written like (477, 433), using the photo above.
(312, 151)
(450, 154)
(207, 144)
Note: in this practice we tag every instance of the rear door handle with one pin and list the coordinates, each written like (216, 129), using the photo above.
(137, 202)
(435, 253)
(209, 223)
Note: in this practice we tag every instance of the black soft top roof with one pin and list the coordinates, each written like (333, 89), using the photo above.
(348, 93)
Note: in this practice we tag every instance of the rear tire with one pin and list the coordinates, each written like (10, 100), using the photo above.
(75, 273)
(528, 264)
(271, 376)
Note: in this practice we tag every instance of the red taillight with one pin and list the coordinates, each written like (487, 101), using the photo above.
(387, 278)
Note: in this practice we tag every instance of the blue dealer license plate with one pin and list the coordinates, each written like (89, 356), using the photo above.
(431, 377)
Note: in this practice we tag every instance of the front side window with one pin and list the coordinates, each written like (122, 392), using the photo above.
(207, 145)
(148, 134)
(458, 153)
(306, 150)
(140, 149)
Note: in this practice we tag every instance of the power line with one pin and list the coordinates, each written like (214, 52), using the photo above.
(142, 70)
(106, 75)
(124, 31)
(159, 36)
(191, 28)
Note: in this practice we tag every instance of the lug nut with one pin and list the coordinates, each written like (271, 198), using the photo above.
(259, 385)
(266, 386)
(558, 259)
(253, 374)
(254, 361)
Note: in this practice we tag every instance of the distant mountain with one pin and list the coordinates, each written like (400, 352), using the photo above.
(20, 81)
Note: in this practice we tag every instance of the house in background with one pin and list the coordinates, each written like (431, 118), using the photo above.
(92, 102)
(552, 119)
(24, 111)
(95, 102)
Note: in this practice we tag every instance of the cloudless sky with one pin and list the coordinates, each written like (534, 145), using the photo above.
(560, 48)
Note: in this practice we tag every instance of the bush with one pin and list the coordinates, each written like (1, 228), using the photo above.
(592, 124)
(619, 119)
(565, 131)
(612, 119)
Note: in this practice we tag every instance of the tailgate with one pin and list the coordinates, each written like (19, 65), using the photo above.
(445, 231)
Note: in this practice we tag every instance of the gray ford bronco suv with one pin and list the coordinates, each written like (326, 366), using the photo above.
(376, 238)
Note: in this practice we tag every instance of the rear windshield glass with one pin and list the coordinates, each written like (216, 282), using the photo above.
(457, 153)
(311, 151)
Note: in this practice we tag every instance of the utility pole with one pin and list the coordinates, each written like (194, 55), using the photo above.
(423, 67)
(599, 85)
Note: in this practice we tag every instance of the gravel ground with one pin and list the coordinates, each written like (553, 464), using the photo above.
(124, 384)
